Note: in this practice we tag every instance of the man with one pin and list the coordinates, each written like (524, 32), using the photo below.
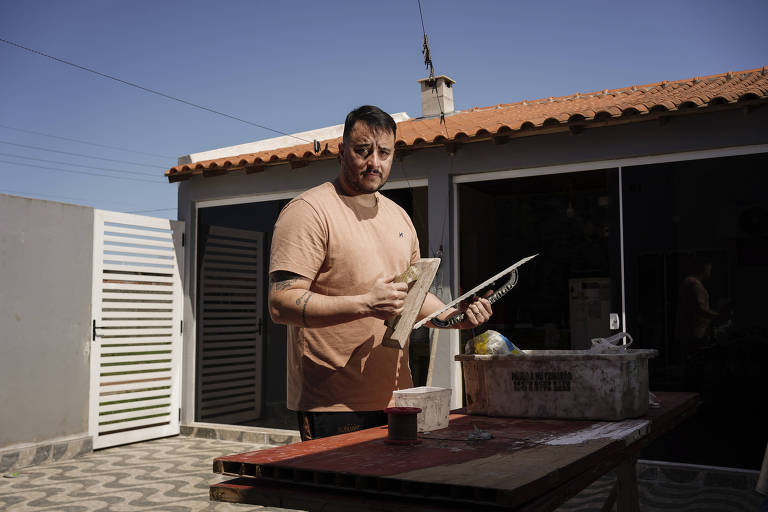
(336, 250)
(694, 313)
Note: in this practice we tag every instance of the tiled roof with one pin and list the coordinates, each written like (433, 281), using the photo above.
(573, 112)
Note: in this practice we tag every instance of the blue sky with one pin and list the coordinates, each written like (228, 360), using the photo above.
(300, 65)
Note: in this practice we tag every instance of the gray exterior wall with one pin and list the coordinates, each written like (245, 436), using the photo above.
(668, 140)
(46, 250)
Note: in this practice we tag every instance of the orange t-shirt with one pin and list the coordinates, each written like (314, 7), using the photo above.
(343, 248)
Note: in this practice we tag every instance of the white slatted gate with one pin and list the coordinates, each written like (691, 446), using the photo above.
(137, 314)
(229, 323)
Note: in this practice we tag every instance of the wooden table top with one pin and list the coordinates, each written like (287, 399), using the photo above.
(528, 462)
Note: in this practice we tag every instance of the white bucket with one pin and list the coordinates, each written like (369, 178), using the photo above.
(434, 403)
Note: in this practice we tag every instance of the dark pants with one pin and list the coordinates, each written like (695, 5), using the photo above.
(314, 425)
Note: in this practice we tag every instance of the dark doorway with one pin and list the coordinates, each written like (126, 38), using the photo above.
(241, 354)
(240, 377)
(565, 296)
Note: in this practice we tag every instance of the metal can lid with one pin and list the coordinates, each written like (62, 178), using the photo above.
(402, 410)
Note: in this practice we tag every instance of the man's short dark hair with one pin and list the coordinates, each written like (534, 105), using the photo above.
(372, 116)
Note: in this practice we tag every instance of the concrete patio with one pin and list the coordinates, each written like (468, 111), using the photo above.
(173, 474)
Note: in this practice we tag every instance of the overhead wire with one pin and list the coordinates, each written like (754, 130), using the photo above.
(439, 290)
(80, 141)
(28, 146)
(427, 52)
(58, 162)
(72, 171)
(152, 91)
(445, 214)
(421, 15)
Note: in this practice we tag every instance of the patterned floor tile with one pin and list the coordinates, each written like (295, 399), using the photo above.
(668, 497)
(168, 475)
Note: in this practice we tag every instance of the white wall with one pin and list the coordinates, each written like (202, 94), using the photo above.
(45, 319)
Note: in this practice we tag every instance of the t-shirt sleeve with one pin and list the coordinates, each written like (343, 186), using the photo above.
(415, 251)
(299, 240)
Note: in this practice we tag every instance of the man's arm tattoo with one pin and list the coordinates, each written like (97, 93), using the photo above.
(282, 285)
(308, 295)
(282, 280)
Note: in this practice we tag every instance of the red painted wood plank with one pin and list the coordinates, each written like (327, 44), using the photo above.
(365, 452)
(277, 494)
(524, 429)
(354, 452)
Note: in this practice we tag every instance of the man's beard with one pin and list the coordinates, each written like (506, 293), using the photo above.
(358, 185)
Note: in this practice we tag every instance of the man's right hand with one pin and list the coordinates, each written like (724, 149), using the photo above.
(387, 298)
(292, 302)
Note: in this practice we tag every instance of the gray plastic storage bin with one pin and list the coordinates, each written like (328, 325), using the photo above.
(573, 384)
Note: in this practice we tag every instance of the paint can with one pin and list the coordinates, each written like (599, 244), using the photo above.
(402, 425)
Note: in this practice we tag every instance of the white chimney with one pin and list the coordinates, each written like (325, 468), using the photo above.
(435, 93)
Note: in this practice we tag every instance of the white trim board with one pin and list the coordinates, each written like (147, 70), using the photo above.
(253, 198)
(290, 194)
(406, 183)
(456, 373)
(623, 326)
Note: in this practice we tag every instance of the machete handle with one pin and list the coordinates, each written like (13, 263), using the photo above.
(444, 324)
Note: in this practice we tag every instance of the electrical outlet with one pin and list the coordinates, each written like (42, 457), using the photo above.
(614, 321)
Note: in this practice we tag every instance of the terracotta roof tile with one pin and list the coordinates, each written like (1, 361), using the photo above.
(633, 104)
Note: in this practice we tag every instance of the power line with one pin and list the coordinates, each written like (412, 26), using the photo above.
(79, 154)
(71, 171)
(425, 46)
(80, 141)
(53, 196)
(146, 89)
(422, 21)
(139, 173)
(428, 63)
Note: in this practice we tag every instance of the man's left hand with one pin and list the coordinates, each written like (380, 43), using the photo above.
(478, 312)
